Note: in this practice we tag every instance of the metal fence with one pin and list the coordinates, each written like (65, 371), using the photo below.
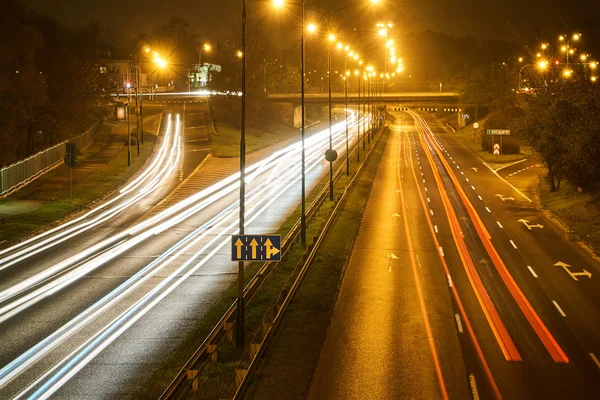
(20, 173)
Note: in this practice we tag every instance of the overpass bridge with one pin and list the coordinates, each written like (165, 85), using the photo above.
(289, 104)
(414, 98)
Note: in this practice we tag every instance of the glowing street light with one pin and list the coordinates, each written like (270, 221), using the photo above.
(567, 73)
(543, 64)
(593, 65)
(239, 54)
(312, 28)
(331, 37)
(521, 59)
(594, 78)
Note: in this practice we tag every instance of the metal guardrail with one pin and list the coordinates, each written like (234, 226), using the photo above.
(224, 328)
(20, 173)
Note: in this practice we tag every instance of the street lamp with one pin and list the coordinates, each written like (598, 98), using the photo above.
(239, 337)
(331, 38)
(383, 32)
(345, 111)
(311, 28)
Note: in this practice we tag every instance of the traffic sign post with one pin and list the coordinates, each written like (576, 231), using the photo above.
(255, 248)
(496, 149)
(71, 160)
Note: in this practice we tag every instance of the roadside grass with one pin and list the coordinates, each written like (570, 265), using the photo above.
(580, 211)
(227, 143)
(217, 377)
(465, 136)
(57, 202)
(289, 362)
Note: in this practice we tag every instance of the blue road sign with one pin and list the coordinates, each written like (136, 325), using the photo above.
(255, 248)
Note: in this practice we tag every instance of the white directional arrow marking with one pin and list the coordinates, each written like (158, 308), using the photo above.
(396, 215)
(526, 223)
(474, 169)
(397, 192)
(573, 275)
(504, 198)
(392, 256)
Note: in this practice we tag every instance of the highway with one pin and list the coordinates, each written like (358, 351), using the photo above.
(83, 321)
(510, 324)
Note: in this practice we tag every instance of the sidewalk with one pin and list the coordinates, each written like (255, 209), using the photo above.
(48, 198)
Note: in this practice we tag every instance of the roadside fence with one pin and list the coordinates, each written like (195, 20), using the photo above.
(15, 176)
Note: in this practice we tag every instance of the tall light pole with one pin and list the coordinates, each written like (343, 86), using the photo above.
(311, 28)
(357, 73)
(331, 39)
(240, 302)
(346, 110)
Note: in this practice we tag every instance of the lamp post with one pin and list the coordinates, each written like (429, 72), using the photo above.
(357, 73)
(240, 301)
(311, 28)
(345, 111)
(331, 39)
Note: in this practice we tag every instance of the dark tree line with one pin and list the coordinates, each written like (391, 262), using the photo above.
(561, 122)
(51, 87)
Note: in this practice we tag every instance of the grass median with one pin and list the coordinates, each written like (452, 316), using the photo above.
(55, 203)
(227, 142)
(222, 371)
(580, 211)
(288, 364)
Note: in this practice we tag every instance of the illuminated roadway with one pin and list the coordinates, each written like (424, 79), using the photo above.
(449, 294)
(88, 319)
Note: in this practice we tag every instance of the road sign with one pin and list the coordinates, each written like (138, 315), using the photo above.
(70, 159)
(500, 132)
(475, 125)
(496, 149)
(331, 155)
(255, 248)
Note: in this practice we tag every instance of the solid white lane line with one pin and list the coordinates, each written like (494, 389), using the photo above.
(595, 359)
(513, 244)
(532, 271)
(458, 323)
(499, 224)
(558, 308)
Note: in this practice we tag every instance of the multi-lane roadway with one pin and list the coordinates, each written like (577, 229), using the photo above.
(458, 286)
(90, 307)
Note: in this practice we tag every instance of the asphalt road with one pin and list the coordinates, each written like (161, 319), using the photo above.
(97, 327)
(510, 325)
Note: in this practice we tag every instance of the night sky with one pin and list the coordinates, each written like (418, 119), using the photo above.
(499, 19)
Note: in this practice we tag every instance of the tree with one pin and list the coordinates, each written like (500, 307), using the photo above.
(561, 122)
